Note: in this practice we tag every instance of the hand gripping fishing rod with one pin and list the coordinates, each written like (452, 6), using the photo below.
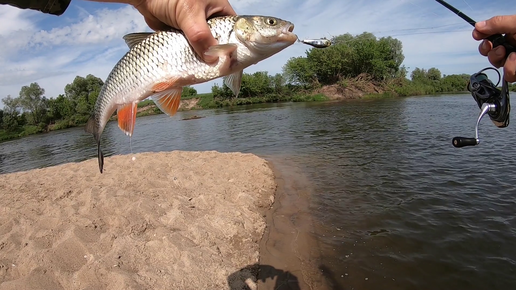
(491, 100)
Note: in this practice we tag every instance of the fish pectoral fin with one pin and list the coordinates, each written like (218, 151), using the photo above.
(234, 81)
(221, 49)
(127, 118)
(168, 101)
(133, 39)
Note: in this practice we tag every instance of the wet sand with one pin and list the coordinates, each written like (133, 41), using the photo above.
(175, 220)
(289, 252)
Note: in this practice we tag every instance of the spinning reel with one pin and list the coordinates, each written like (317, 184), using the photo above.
(490, 100)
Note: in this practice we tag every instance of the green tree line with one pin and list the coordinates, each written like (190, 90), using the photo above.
(378, 58)
(350, 57)
(33, 112)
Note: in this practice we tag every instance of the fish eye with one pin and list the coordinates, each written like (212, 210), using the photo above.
(271, 21)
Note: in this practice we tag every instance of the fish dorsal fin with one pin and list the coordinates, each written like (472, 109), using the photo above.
(133, 39)
(168, 101)
(127, 118)
(234, 81)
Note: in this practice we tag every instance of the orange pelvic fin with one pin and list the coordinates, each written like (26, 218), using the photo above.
(168, 101)
(127, 118)
(163, 86)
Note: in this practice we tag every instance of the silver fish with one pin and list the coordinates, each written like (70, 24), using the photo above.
(160, 64)
(318, 43)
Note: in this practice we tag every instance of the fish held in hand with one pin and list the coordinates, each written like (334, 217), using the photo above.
(317, 43)
(160, 64)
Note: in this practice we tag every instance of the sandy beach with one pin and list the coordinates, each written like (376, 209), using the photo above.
(170, 220)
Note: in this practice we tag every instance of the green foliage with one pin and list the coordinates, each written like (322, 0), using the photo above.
(32, 101)
(271, 98)
(348, 57)
(82, 94)
(430, 81)
(299, 72)
(206, 101)
(145, 103)
(223, 92)
(32, 113)
(188, 92)
(11, 114)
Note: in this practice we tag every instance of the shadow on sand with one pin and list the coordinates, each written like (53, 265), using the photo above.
(248, 277)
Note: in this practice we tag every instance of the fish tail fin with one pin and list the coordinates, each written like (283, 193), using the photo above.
(100, 156)
(92, 127)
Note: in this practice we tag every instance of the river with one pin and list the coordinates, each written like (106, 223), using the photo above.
(394, 204)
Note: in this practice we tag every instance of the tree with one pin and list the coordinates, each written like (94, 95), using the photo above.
(188, 91)
(82, 93)
(221, 92)
(418, 74)
(33, 102)
(348, 57)
(297, 71)
(257, 84)
(10, 113)
(60, 108)
(433, 74)
(278, 83)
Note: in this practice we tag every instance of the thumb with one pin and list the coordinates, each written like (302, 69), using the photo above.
(199, 36)
(497, 25)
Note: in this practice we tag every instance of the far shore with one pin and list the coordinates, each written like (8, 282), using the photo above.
(206, 101)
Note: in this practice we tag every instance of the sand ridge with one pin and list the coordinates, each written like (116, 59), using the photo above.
(168, 220)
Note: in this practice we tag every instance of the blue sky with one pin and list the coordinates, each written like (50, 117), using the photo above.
(87, 38)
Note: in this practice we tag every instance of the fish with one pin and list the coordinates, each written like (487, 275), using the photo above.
(159, 64)
(318, 43)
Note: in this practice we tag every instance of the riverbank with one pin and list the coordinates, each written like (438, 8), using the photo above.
(359, 87)
(147, 108)
(170, 220)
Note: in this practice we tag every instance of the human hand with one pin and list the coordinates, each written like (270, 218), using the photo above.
(188, 16)
(498, 25)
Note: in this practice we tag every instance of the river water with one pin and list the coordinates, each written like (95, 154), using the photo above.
(394, 204)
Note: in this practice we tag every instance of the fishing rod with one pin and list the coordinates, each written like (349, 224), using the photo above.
(491, 101)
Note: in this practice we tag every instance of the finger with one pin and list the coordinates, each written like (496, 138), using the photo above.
(497, 56)
(497, 25)
(511, 38)
(477, 35)
(485, 47)
(220, 9)
(155, 24)
(510, 68)
(199, 36)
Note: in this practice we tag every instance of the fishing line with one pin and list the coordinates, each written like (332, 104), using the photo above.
(419, 28)
(429, 32)
(468, 5)
(420, 7)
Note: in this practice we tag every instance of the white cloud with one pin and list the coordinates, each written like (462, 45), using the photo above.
(53, 57)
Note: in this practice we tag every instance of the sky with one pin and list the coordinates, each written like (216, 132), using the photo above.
(87, 38)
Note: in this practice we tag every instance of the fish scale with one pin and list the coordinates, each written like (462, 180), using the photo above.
(159, 64)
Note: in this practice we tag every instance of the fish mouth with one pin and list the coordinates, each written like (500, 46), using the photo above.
(287, 35)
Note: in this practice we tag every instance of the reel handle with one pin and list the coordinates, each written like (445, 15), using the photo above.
(464, 141)
(459, 142)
